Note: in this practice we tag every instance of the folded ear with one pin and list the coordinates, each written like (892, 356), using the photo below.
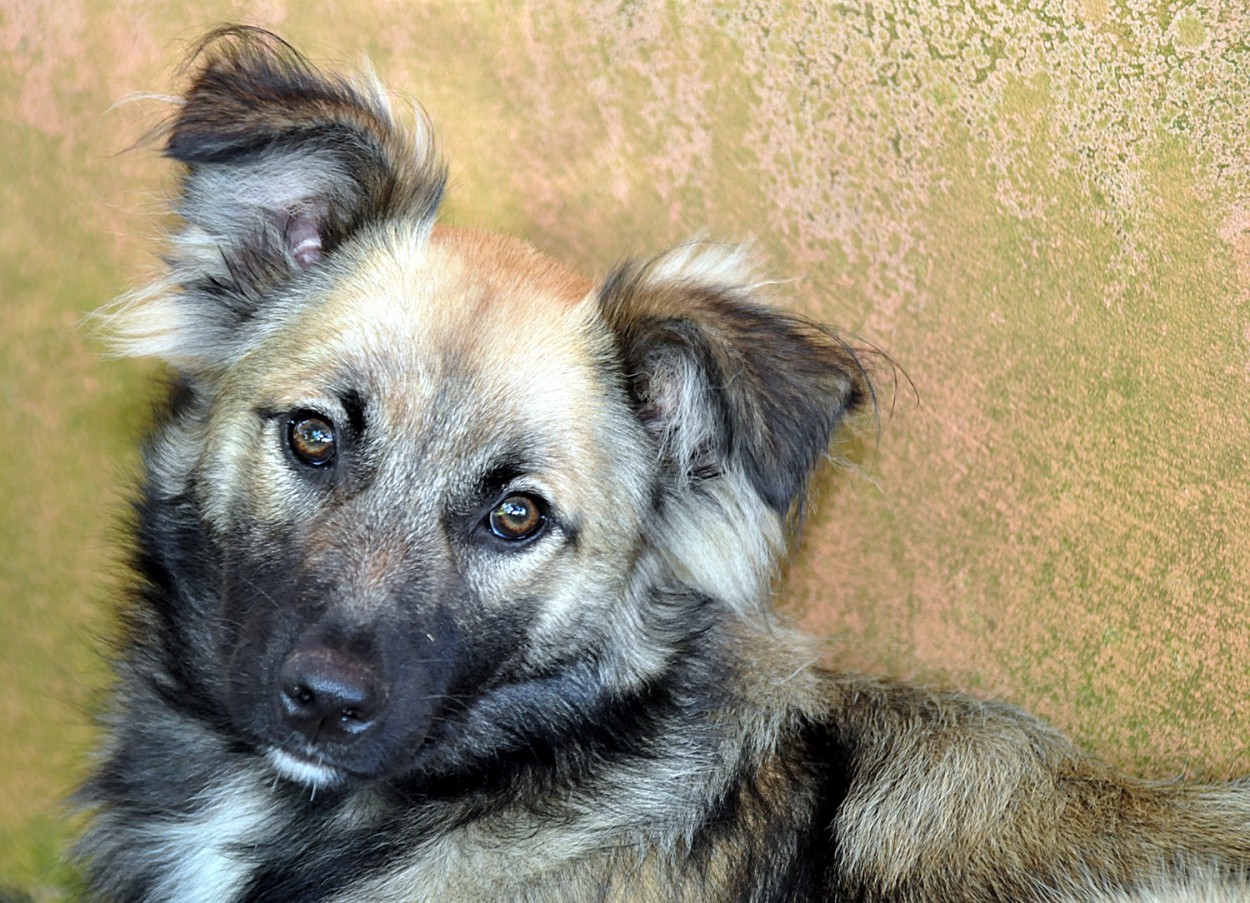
(283, 164)
(727, 385)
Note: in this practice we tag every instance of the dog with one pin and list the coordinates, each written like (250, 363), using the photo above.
(452, 575)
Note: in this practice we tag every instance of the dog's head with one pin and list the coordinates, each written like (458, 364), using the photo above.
(423, 489)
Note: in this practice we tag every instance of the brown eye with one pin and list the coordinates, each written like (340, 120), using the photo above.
(311, 439)
(517, 517)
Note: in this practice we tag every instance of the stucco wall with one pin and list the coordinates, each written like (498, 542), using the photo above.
(1040, 210)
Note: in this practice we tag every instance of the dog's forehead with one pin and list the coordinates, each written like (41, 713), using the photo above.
(453, 293)
(424, 325)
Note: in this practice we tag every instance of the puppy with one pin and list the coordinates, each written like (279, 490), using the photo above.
(453, 569)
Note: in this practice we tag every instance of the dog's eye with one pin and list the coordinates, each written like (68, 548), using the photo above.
(311, 438)
(516, 518)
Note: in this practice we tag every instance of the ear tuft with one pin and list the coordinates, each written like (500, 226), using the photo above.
(723, 382)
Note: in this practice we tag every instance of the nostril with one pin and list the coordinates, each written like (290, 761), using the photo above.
(328, 696)
(299, 697)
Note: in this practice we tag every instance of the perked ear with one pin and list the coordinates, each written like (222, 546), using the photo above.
(727, 385)
(283, 164)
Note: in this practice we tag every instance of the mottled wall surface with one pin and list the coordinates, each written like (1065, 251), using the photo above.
(1040, 209)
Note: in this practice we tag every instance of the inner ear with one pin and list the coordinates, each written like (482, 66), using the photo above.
(673, 384)
(302, 232)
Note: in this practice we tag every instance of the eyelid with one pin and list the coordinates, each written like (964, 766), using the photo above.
(347, 410)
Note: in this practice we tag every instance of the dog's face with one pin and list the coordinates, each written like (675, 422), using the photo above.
(433, 489)
(425, 481)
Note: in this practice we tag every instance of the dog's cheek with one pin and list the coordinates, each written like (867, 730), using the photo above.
(472, 648)
(577, 594)
(568, 612)
(244, 484)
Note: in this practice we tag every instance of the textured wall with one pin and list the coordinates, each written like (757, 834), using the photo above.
(1040, 209)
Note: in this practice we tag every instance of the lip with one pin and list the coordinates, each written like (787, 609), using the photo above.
(316, 775)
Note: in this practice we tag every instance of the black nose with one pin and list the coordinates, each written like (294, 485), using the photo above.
(329, 696)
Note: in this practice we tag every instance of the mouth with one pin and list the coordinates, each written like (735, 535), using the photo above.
(307, 772)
